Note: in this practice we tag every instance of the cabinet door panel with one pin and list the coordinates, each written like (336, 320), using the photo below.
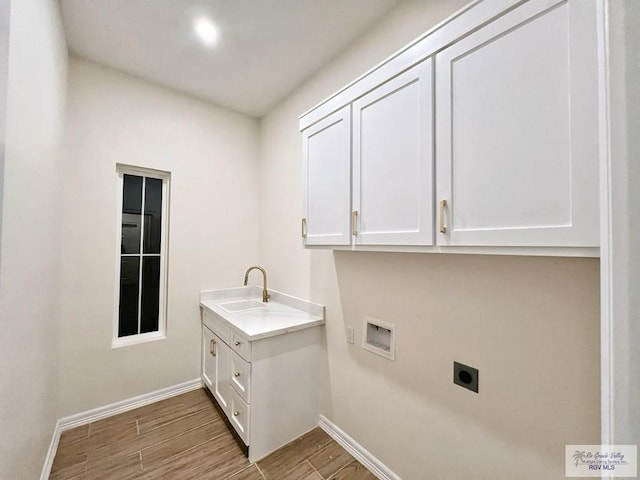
(516, 112)
(327, 180)
(208, 359)
(393, 161)
(222, 354)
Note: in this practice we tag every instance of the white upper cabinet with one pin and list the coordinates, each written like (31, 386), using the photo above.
(393, 161)
(482, 136)
(517, 131)
(327, 180)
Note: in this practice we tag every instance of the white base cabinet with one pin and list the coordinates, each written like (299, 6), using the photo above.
(215, 369)
(267, 388)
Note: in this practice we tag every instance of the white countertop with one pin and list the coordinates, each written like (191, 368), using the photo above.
(281, 314)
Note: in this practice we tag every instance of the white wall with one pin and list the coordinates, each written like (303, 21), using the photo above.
(212, 156)
(30, 237)
(529, 324)
(5, 12)
(621, 258)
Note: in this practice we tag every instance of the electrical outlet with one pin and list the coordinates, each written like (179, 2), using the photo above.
(465, 376)
(350, 334)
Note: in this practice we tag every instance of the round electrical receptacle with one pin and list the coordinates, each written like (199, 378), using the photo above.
(465, 377)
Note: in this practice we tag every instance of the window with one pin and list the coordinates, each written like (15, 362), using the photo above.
(142, 255)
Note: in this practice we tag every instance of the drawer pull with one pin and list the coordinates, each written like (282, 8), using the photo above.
(236, 413)
(237, 374)
(443, 227)
(237, 344)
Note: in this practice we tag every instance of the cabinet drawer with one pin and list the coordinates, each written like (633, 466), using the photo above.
(216, 325)
(240, 376)
(239, 415)
(240, 345)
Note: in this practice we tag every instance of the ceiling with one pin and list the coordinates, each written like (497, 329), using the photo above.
(266, 48)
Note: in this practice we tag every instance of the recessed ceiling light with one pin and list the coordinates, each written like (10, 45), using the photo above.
(206, 31)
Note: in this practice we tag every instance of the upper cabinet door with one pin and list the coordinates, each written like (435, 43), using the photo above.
(393, 161)
(516, 113)
(327, 180)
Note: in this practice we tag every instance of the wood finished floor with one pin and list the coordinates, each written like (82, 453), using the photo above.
(184, 438)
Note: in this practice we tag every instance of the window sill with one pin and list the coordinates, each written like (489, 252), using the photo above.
(137, 339)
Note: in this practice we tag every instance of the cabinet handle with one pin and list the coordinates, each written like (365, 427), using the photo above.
(304, 228)
(237, 374)
(212, 348)
(354, 223)
(237, 344)
(236, 413)
(443, 227)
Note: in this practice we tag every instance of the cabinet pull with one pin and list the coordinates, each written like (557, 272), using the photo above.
(236, 413)
(237, 344)
(354, 223)
(443, 227)
(212, 348)
(237, 374)
(304, 227)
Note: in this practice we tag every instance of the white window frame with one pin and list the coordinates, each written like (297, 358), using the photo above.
(139, 338)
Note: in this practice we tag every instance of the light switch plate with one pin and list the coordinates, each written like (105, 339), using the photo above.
(350, 334)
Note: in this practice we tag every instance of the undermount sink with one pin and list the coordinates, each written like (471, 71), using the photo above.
(241, 305)
(240, 309)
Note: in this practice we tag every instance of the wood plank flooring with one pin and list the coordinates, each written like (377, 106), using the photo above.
(184, 438)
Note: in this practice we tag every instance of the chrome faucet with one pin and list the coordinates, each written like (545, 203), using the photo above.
(265, 292)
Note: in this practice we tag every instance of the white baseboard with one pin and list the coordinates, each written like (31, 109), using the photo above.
(51, 453)
(375, 466)
(93, 415)
(82, 418)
